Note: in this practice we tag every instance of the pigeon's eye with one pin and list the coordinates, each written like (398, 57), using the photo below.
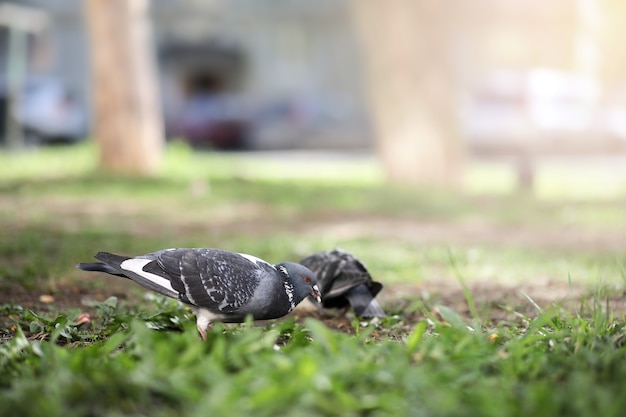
(307, 279)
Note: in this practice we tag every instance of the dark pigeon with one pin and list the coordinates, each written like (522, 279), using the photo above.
(219, 285)
(344, 281)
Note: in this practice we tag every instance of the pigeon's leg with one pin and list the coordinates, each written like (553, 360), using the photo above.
(202, 332)
(203, 321)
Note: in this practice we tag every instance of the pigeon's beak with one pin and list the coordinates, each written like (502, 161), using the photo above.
(315, 292)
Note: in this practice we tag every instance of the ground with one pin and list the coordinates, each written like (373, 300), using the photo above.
(515, 251)
(497, 302)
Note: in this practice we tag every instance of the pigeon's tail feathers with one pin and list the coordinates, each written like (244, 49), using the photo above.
(363, 302)
(373, 310)
(100, 267)
(111, 259)
(135, 269)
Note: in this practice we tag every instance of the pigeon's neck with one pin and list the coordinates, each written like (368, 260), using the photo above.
(289, 290)
(298, 290)
(296, 286)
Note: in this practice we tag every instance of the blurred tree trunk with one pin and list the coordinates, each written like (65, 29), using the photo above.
(128, 123)
(411, 93)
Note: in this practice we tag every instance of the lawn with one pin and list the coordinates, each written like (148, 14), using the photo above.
(499, 303)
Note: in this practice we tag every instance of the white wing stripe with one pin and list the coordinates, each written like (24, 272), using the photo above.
(183, 279)
(136, 265)
(256, 260)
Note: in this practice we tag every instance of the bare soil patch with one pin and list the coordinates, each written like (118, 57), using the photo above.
(470, 232)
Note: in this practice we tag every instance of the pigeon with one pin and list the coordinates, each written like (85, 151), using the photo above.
(219, 285)
(345, 281)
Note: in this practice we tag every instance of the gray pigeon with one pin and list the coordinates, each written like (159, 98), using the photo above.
(345, 281)
(219, 285)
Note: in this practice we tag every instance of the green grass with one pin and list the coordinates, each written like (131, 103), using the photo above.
(142, 356)
(556, 364)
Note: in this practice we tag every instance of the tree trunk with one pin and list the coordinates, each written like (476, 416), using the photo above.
(411, 93)
(128, 123)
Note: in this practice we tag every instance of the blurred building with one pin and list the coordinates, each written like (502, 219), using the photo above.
(253, 73)
(288, 69)
(286, 73)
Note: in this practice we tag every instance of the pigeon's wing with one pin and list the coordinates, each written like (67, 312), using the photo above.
(344, 280)
(337, 272)
(212, 278)
(326, 267)
(353, 270)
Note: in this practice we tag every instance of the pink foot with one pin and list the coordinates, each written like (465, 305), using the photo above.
(203, 332)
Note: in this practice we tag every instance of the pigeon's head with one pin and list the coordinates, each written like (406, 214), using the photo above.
(303, 280)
